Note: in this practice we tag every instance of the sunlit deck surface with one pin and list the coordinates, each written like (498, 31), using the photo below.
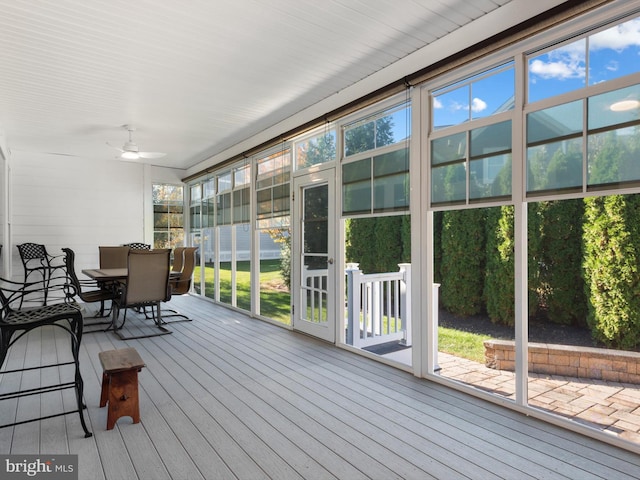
(230, 397)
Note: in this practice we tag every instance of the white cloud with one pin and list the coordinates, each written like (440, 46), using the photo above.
(557, 69)
(478, 105)
(437, 103)
(617, 38)
(612, 66)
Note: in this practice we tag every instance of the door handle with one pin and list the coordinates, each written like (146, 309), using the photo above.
(330, 261)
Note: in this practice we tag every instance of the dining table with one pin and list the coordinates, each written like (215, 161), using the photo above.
(106, 274)
(116, 274)
(116, 277)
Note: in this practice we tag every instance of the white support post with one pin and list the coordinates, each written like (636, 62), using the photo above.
(434, 334)
(405, 301)
(353, 304)
(376, 309)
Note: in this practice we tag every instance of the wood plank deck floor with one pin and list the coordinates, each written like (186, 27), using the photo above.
(230, 397)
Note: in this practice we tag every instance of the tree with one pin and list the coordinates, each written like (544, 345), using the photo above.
(361, 242)
(499, 281)
(318, 150)
(463, 266)
(612, 256)
(562, 284)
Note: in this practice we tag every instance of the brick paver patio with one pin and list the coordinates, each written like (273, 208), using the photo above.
(610, 406)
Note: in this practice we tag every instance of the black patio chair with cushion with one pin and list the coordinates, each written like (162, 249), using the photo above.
(98, 292)
(147, 285)
(16, 323)
(36, 260)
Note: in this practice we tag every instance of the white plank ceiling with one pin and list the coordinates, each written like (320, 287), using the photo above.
(198, 77)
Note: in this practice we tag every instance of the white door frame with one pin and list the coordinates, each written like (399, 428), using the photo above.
(325, 330)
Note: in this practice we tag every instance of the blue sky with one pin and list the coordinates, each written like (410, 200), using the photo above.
(612, 53)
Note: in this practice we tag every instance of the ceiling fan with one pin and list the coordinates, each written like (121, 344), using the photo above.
(130, 151)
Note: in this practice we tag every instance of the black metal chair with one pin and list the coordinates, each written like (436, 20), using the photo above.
(16, 323)
(138, 246)
(36, 259)
(98, 293)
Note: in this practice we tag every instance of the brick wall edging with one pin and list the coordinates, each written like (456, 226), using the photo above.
(567, 360)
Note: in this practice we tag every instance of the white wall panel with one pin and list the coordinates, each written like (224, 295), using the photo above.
(68, 202)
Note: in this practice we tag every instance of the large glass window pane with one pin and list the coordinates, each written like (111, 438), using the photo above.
(208, 203)
(493, 94)
(281, 201)
(614, 52)
(555, 166)
(449, 184)
(557, 71)
(241, 176)
(474, 292)
(387, 128)
(391, 181)
(614, 108)
(195, 196)
(491, 139)
(614, 158)
(449, 149)
(479, 96)
(275, 274)
(168, 231)
(208, 253)
(318, 149)
(490, 161)
(241, 207)
(242, 260)
(195, 239)
(554, 152)
(360, 138)
(273, 175)
(264, 205)
(490, 177)
(225, 254)
(224, 182)
(451, 108)
(356, 190)
(223, 209)
(555, 122)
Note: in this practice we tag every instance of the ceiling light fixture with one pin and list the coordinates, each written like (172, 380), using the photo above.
(130, 155)
(624, 105)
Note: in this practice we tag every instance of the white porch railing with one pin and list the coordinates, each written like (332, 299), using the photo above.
(378, 306)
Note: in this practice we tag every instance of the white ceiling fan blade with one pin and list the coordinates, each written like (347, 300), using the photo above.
(114, 147)
(151, 154)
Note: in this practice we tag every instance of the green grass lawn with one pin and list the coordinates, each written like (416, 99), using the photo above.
(274, 296)
(462, 344)
(275, 304)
